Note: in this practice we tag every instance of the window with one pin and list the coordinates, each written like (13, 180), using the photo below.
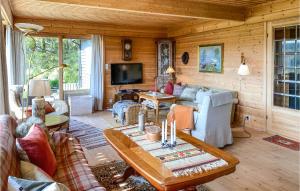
(41, 55)
(286, 91)
(77, 55)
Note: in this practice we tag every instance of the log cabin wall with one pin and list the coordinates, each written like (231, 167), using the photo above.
(248, 39)
(143, 50)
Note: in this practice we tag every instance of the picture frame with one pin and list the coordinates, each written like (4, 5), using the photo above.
(210, 58)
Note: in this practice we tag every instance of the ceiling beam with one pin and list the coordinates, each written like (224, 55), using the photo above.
(176, 8)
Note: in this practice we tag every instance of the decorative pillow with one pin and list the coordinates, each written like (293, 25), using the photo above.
(169, 88)
(32, 172)
(48, 107)
(177, 90)
(16, 184)
(37, 149)
(188, 94)
(23, 128)
(201, 94)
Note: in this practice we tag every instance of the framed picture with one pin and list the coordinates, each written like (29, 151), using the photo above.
(210, 58)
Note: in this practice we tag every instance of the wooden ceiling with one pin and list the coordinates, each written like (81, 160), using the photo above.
(148, 13)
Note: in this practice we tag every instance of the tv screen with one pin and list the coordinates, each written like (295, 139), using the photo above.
(126, 74)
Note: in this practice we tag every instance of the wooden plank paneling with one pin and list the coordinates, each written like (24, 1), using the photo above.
(248, 39)
(6, 12)
(274, 10)
(173, 8)
(58, 27)
(144, 51)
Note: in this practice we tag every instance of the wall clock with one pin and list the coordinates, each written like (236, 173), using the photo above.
(127, 49)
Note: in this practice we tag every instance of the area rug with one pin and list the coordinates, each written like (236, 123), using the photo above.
(278, 140)
(89, 136)
(105, 173)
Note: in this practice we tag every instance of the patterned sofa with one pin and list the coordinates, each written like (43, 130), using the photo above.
(72, 168)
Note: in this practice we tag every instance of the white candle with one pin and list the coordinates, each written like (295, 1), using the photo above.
(172, 133)
(166, 130)
(162, 132)
(175, 131)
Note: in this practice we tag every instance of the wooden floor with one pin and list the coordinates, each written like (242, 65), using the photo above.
(263, 166)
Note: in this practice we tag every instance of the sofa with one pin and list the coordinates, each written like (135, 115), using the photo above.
(16, 101)
(213, 114)
(72, 167)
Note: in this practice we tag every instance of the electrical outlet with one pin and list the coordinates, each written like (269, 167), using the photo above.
(247, 117)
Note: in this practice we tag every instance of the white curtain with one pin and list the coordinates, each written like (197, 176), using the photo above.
(15, 57)
(4, 106)
(97, 72)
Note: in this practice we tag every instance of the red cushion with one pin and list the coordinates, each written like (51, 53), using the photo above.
(48, 108)
(169, 88)
(38, 150)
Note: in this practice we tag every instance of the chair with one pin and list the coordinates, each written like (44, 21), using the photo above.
(126, 112)
(16, 101)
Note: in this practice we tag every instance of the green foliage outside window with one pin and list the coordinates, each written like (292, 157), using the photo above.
(42, 54)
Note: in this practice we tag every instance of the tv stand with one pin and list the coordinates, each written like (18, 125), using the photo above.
(128, 94)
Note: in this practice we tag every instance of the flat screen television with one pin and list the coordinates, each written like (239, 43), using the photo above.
(127, 73)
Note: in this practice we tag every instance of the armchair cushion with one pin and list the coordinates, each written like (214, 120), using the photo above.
(188, 94)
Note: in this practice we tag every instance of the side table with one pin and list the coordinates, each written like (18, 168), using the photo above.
(56, 122)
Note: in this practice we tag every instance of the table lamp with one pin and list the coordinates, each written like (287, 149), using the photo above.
(39, 88)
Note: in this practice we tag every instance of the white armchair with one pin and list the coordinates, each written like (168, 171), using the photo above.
(15, 103)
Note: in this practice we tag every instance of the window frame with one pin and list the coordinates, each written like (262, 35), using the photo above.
(283, 53)
(60, 57)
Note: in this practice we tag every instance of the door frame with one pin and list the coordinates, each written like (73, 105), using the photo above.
(270, 74)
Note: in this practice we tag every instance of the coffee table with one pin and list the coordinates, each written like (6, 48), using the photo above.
(56, 122)
(157, 99)
(152, 169)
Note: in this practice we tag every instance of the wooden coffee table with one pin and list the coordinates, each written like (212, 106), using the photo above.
(157, 99)
(152, 169)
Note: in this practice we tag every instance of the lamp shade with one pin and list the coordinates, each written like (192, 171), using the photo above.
(170, 70)
(243, 70)
(39, 88)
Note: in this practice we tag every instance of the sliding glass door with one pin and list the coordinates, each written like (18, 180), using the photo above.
(43, 58)
(41, 55)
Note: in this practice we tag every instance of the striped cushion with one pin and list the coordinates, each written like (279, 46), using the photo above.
(9, 164)
(72, 167)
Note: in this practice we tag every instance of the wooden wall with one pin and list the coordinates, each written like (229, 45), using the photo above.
(144, 51)
(248, 39)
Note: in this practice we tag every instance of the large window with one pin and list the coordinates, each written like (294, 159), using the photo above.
(287, 67)
(42, 54)
(77, 55)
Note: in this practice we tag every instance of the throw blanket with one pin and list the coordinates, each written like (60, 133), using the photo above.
(119, 109)
(183, 115)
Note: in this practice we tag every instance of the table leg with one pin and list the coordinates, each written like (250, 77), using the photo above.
(122, 178)
(157, 115)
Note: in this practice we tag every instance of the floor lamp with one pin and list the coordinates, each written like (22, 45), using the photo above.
(243, 71)
(28, 29)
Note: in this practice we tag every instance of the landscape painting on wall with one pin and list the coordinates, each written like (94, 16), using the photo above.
(211, 58)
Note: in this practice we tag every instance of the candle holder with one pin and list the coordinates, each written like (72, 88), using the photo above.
(168, 145)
